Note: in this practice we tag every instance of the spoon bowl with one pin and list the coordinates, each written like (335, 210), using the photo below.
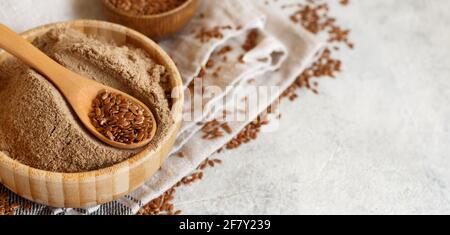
(79, 91)
(82, 104)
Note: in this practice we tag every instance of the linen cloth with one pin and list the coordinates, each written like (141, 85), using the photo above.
(282, 52)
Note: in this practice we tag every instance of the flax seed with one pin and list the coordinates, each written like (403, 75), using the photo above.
(251, 40)
(181, 155)
(119, 119)
(209, 64)
(205, 35)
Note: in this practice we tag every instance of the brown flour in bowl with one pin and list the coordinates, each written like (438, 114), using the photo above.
(37, 126)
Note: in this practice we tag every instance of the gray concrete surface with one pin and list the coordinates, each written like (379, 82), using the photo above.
(376, 140)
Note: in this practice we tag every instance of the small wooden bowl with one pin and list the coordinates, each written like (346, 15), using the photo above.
(81, 190)
(155, 26)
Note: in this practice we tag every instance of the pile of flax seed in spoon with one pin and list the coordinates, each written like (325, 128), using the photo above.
(120, 119)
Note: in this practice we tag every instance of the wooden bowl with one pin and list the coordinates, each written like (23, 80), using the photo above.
(155, 26)
(81, 190)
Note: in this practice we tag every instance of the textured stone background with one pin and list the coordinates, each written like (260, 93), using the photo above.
(376, 140)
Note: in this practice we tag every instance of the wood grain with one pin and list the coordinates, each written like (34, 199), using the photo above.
(81, 190)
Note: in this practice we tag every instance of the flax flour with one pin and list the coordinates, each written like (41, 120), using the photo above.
(38, 127)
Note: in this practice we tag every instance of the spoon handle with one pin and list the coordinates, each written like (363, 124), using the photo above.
(32, 56)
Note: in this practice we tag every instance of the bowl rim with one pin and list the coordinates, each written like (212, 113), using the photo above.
(176, 111)
(154, 16)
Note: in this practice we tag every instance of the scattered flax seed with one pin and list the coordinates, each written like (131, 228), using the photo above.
(251, 41)
(339, 35)
(181, 154)
(212, 130)
(314, 16)
(344, 2)
(120, 119)
(226, 128)
(203, 165)
(161, 205)
(325, 66)
(193, 177)
(209, 64)
(241, 59)
(214, 162)
(225, 50)
(205, 35)
(216, 72)
(249, 133)
(202, 73)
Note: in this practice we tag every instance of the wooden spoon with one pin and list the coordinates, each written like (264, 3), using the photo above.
(79, 91)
